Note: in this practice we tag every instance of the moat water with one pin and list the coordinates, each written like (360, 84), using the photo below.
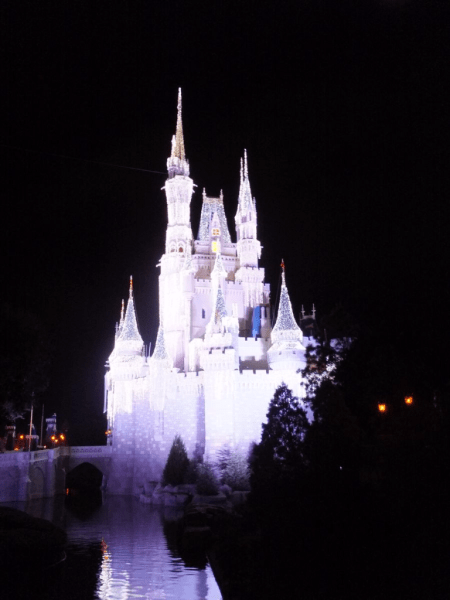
(119, 549)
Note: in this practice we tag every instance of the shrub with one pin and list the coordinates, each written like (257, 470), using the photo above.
(236, 473)
(207, 481)
(177, 463)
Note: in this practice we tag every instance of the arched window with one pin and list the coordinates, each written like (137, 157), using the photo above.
(181, 249)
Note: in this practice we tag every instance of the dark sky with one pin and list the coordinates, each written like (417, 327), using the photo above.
(342, 106)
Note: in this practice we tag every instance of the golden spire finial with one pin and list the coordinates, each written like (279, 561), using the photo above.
(178, 146)
(122, 311)
(283, 272)
(131, 285)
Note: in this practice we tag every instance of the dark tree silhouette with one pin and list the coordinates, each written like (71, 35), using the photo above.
(24, 361)
(279, 458)
(177, 463)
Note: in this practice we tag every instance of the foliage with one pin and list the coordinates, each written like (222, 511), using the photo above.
(223, 458)
(237, 473)
(177, 463)
(207, 480)
(286, 426)
(337, 334)
(280, 457)
(233, 468)
(24, 361)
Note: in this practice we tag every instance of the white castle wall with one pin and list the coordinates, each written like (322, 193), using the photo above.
(209, 409)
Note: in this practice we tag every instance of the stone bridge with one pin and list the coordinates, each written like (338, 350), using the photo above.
(42, 473)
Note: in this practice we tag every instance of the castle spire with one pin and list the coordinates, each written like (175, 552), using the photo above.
(286, 328)
(177, 163)
(160, 352)
(245, 195)
(178, 142)
(129, 330)
(218, 270)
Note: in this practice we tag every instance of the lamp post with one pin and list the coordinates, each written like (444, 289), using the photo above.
(31, 425)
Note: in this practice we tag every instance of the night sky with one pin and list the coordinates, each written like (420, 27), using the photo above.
(342, 106)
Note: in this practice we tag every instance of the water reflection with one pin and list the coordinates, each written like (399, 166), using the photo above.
(131, 549)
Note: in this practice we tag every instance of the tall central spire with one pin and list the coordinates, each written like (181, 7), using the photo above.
(178, 142)
(177, 163)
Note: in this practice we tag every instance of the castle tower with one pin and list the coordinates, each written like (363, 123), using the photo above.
(287, 350)
(126, 363)
(174, 303)
(248, 248)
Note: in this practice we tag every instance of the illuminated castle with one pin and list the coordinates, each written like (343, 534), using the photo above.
(217, 361)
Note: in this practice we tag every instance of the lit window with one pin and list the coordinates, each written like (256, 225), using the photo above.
(216, 231)
(215, 247)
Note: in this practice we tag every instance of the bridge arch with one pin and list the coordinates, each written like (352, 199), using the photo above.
(85, 475)
(37, 482)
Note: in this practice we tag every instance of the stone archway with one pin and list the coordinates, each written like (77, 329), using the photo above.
(84, 476)
(37, 482)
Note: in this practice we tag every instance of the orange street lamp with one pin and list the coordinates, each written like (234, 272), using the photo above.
(408, 399)
(381, 407)
(62, 437)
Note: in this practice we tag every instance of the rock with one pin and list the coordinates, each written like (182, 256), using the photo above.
(217, 499)
(173, 499)
(150, 487)
(226, 490)
(187, 488)
(158, 498)
(28, 544)
(238, 498)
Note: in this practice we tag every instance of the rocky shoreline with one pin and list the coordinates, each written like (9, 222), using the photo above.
(28, 545)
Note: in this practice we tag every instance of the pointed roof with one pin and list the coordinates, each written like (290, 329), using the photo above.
(211, 207)
(129, 329)
(178, 140)
(219, 269)
(160, 352)
(177, 164)
(286, 328)
(245, 200)
(219, 311)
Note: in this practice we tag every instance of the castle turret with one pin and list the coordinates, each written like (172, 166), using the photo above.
(126, 362)
(287, 350)
(248, 246)
(175, 306)
(179, 188)
(248, 250)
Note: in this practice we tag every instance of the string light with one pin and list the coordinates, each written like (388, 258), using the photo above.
(129, 329)
(160, 352)
(211, 207)
(286, 328)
